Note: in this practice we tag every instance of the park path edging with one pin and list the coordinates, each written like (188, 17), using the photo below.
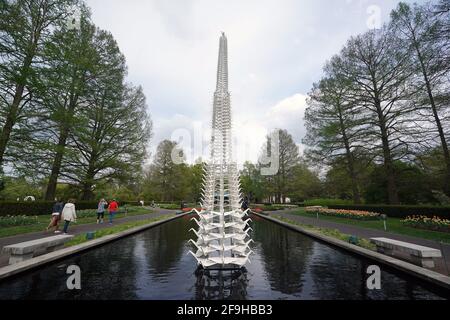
(27, 265)
(411, 269)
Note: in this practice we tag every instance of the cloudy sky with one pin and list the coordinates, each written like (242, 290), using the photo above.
(277, 49)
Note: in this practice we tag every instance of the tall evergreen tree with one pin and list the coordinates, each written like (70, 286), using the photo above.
(288, 158)
(26, 27)
(110, 139)
(334, 126)
(167, 180)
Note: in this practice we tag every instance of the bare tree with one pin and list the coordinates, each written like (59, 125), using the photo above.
(378, 71)
(334, 125)
(415, 28)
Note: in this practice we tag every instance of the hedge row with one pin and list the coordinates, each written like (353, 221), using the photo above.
(36, 208)
(399, 211)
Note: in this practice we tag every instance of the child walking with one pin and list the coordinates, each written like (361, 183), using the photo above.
(56, 216)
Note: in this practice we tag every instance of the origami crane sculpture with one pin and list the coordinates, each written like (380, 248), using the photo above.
(223, 232)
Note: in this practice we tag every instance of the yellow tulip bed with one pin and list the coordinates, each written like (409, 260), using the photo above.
(424, 222)
(351, 214)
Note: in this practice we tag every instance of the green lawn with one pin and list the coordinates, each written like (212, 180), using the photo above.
(43, 221)
(393, 225)
(333, 233)
(81, 238)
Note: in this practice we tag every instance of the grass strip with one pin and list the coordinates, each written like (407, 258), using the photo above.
(81, 238)
(334, 233)
(394, 225)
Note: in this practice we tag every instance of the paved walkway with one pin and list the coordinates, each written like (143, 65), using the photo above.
(75, 229)
(442, 265)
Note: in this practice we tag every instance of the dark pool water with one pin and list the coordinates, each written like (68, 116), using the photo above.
(155, 265)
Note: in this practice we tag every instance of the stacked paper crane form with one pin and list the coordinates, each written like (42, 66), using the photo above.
(223, 228)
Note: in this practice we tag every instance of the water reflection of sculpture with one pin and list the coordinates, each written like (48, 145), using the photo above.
(221, 284)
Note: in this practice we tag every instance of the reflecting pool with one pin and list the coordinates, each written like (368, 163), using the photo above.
(155, 265)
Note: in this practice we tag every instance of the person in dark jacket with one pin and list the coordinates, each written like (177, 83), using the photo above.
(244, 205)
(56, 216)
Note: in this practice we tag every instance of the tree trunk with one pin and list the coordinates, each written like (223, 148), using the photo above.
(60, 149)
(355, 188)
(350, 161)
(388, 165)
(10, 121)
(87, 194)
(88, 182)
(56, 167)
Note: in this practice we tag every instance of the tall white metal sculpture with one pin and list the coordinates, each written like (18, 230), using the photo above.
(222, 234)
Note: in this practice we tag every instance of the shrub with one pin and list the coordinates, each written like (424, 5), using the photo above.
(134, 203)
(13, 221)
(273, 207)
(170, 206)
(37, 208)
(326, 202)
(399, 211)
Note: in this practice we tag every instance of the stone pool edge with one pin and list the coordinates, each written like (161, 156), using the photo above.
(12, 270)
(416, 271)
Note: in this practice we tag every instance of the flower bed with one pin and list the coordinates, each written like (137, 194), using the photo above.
(351, 214)
(13, 221)
(424, 222)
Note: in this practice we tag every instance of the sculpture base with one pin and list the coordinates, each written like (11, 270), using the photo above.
(224, 267)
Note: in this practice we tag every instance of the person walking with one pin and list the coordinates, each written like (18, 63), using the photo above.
(112, 208)
(56, 216)
(101, 210)
(244, 205)
(69, 214)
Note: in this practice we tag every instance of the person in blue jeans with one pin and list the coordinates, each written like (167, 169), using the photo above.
(101, 210)
(69, 214)
(112, 208)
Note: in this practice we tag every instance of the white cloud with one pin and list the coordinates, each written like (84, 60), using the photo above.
(276, 51)
(250, 130)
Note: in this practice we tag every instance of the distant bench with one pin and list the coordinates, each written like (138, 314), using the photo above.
(418, 255)
(26, 250)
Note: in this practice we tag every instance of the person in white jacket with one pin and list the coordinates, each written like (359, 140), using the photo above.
(69, 214)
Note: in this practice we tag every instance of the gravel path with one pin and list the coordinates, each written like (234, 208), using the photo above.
(75, 229)
(442, 265)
